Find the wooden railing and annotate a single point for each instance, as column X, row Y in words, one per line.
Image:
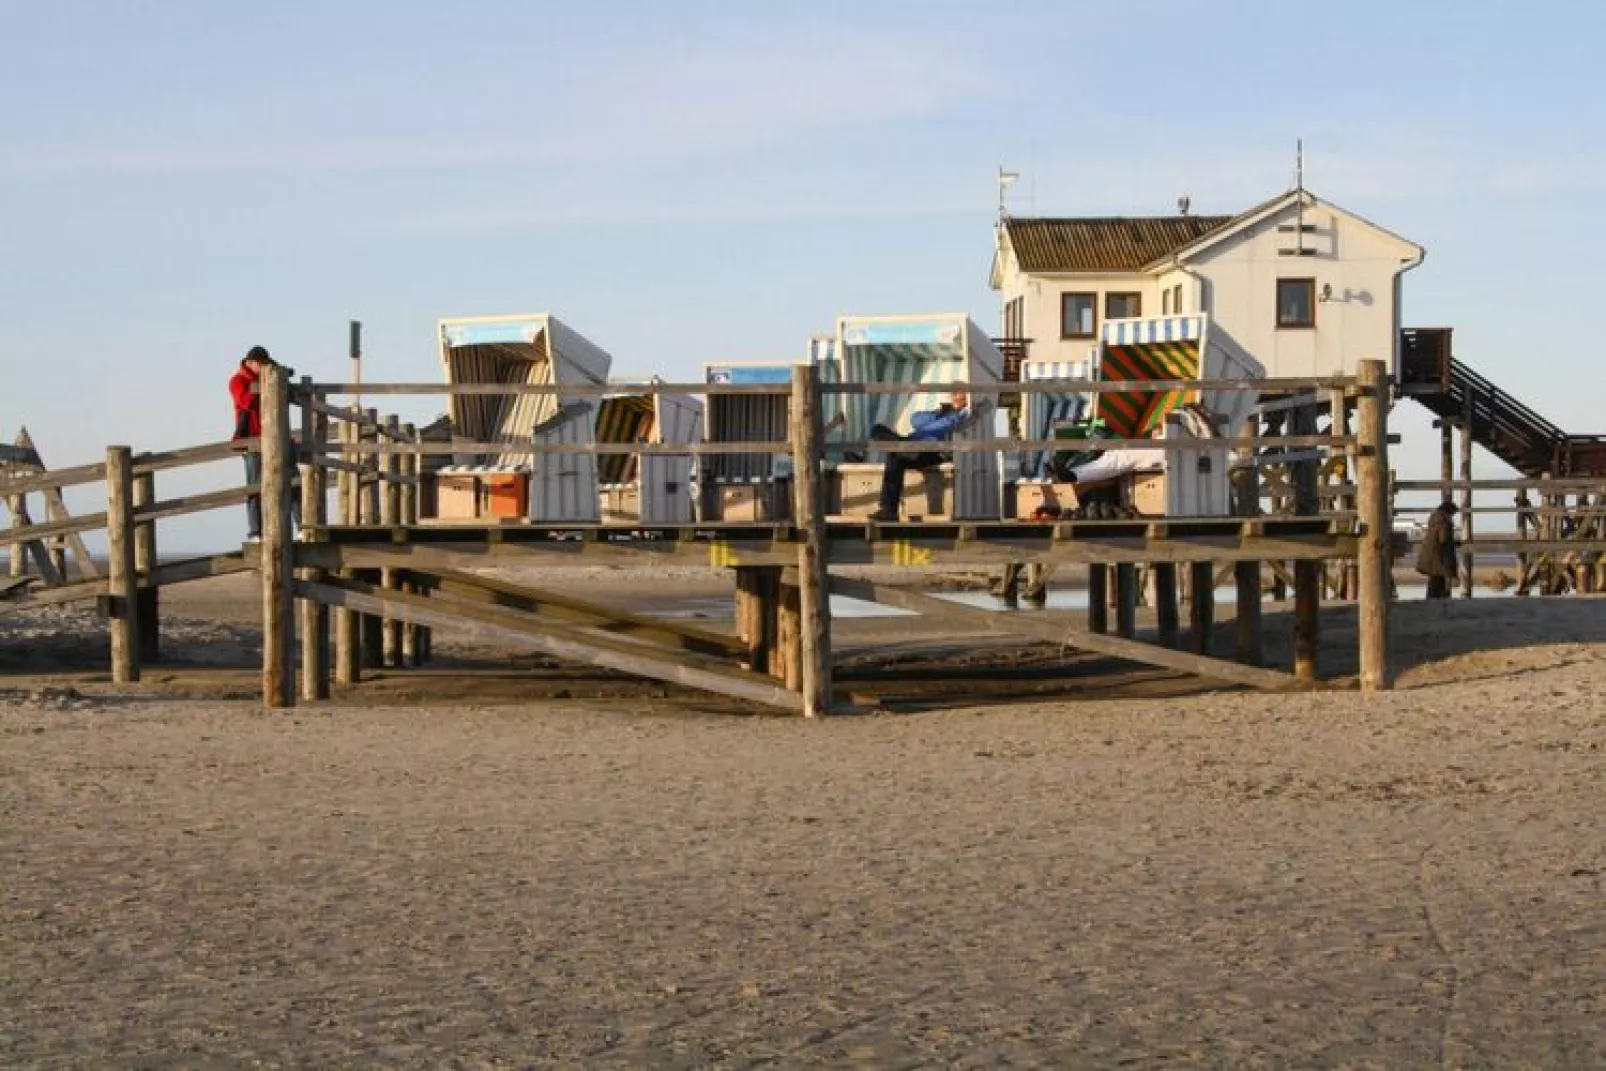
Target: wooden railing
column 129, row 590
column 1366, row 450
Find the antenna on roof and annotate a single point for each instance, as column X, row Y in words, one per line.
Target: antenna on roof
column 1183, row 204
column 1006, row 179
column 1299, row 196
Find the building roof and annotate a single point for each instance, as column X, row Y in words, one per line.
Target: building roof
column 1104, row 244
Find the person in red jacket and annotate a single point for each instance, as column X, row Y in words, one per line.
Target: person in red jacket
column 248, row 428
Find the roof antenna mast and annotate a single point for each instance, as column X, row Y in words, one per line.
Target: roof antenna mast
column 1299, row 199
column 1006, row 179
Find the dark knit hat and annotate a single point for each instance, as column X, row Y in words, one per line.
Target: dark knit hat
column 259, row 353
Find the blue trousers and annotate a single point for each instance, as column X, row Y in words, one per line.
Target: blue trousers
column 253, row 505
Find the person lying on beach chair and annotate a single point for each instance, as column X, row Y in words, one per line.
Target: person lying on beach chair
column 930, row 425
column 1098, row 480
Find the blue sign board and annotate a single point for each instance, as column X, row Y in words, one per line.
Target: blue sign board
column 750, row 373
column 489, row 333
column 908, row 333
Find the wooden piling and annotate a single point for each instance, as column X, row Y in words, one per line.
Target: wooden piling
column 757, row 591
column 411, row 489
column 348, row 653
column 1468, row 415
column 1339, row 425
column 787, row 665
column 150, row 610
column 390, row 516
column 1098, row 598
column 1248, row 631
column 314, row 517
column 1373, row 546
column 278, row 603
column 807, row 435
column 370, row 626
column 1165, row 602
column 1126, row 600
column 122, row 574
column 1201, row 606
column 1307, row 574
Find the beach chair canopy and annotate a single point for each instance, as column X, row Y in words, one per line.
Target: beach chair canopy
column 623, row 419
column 1154, row 349
column 913, row 351
column 534, row 350
column 1043, row 414
column 737, row 418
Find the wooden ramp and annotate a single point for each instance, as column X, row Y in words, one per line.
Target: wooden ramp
column 565, row 628
column 1075, row 636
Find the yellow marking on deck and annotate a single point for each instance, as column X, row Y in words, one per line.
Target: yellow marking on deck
column 906, row 553
column 720, row 555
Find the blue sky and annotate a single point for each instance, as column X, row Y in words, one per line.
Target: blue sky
column 695, row 181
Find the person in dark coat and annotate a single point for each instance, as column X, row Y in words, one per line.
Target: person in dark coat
column 1437, row 557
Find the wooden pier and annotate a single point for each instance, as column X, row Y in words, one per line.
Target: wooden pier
column 364, row 585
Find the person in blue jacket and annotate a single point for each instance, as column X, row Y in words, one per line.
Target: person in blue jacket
column 930, row 425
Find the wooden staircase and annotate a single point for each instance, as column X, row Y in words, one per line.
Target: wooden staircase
column 1513, row 432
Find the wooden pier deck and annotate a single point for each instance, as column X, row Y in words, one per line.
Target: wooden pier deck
column 364, row 583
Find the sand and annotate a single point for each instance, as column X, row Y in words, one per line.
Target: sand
column 1216, row 879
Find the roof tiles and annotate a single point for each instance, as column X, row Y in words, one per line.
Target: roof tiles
column 1109, row 244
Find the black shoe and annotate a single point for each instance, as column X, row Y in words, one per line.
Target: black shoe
column 882, row 516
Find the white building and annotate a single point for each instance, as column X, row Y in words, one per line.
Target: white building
column 1305, row 286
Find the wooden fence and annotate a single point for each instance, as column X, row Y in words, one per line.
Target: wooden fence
column 129, row 592
column 1369, row 524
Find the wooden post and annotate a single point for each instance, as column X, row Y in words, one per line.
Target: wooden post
column 1446, row 460
column 787, row 665
column 373, row 501
column 1034, row 582
column 1307, row 574
column 757, row 589
column 807, row 435
column 1372, row 493
column 1339, row 406
column 1202, row 606
column 1126, row 600
column 1248, row 632
column 410, row 490
column 1466, row 494
column 150, row 626
column 314, row 517
column 122, row 575
column 1098, row 598
column 1165, row 602
column 371, row 626
column 348, row 644
column 278, row 603
column 390, row 517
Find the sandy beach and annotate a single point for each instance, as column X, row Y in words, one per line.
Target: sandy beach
column 1103, row 867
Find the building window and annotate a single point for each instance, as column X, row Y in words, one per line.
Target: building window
column 1015, row 317
column 1079, row 315
column 1296, row 302
column 1122, row 306
column 1176, row 299
column 1165, row 302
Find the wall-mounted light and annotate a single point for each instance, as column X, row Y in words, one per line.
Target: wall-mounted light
column 1327, row 292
